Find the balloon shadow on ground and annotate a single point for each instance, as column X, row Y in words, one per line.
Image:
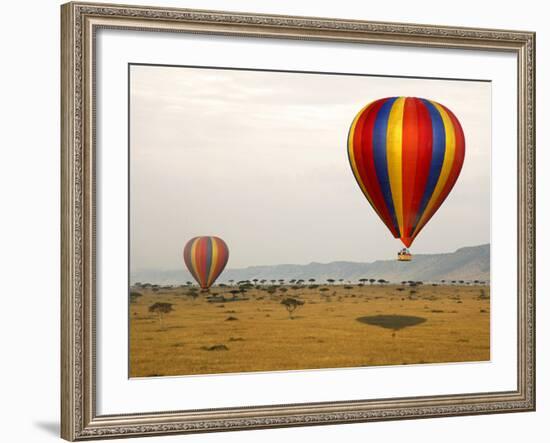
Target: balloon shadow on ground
column 394, row 322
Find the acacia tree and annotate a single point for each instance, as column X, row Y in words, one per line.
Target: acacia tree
column 372, row 280
column 291, row 304
column 160, row 309
column 330, row 280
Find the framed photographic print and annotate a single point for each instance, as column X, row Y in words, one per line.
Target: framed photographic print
column 283, row 221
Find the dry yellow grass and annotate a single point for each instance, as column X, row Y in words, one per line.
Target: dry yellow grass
column 325, row 332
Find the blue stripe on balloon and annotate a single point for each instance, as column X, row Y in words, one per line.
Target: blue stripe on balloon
column 379, row 149
column 438, row 154
column 208, row 258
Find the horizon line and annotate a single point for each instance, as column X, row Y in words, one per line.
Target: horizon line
column 313, row 262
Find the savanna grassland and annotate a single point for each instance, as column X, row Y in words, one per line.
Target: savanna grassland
column 322, row 326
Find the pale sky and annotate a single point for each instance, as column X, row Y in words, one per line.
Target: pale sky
column 259, row 159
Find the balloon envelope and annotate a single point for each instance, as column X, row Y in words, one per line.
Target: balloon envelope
column 205, row 257
column 406, row 154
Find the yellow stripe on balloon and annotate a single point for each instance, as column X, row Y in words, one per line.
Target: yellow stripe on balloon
column 394, row 156
column 448, row 160
column 214, row 261
column 352, row 158
column 193, row 257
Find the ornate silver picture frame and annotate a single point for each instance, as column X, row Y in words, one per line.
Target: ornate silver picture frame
column 80, row 23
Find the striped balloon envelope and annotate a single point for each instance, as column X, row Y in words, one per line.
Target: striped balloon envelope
column 205, row 257
column 406, row 154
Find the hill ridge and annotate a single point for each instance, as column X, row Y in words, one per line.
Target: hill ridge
column 466, row 263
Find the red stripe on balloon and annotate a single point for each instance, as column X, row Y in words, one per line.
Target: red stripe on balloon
column 409, row 159
column 200, row 260
column 423, row 161
column 364, row 161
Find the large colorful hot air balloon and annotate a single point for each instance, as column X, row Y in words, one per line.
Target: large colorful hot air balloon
column 205, row 257
column 406, row 154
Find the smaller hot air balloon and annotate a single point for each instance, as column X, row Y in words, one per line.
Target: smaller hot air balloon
column 205, row 257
